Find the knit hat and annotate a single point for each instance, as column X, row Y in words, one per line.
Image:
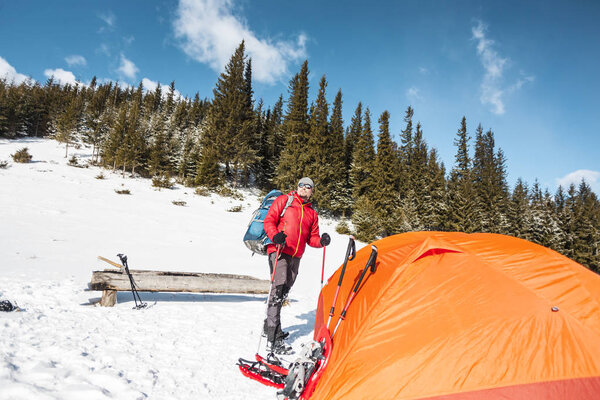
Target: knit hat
column 307, row 181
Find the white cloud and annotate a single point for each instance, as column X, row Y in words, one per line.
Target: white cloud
column 210, row 32
column 104, row 49
column 150, row 86
column 423, row 71
column 519, row 84
column 492, row 90
column 75, row 60
column 10, row 73
column 592, row 178
column 127, row 68
column 61, row 76
column 108, row 18
column 414, row 94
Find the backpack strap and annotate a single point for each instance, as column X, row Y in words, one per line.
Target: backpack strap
column 287, row 204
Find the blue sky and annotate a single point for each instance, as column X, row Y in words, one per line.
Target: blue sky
column 528, row 70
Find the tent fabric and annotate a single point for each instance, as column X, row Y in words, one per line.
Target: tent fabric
column 463, row 316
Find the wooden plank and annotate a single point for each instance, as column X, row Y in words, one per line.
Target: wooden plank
column 159, row 281
column 114, row 264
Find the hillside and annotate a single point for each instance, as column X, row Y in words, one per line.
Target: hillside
column 56, row 220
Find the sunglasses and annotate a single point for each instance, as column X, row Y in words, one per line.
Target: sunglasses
column 305, row 185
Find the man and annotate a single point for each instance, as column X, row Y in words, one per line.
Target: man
column 291, row 232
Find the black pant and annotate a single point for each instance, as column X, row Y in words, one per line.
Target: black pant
column 285, row 276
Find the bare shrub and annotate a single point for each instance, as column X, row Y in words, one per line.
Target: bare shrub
column 22, row 156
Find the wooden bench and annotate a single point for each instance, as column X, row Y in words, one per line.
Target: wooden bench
column 111, row 281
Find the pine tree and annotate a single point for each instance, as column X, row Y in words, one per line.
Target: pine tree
column 246, row 157
column 366, row 214
column 573, row 209
column 564, row 203
column 208, row 172
column 539, row 229
column 135, row 141
column 501, row 209
column 159, row 160
column 463, row 161
column 179, row 123
column 12, row 111
column 364, row 219
column 490, row 183
column 96, row 128
column 4, row 87
column 187, row 164
column 318, row 149
column 386, row 180
column 519, row 212
column 462, row 215
column 37, row 112
column 362, row 171
column 586, row 221
column 68, row 122
column 231, row 129
column 271, row 142
column 114, row 141
column 353, row 135
column 338, row 174
column 198, row 110
column 554, row 235
column 293, row 159
column 415, row 174
column 405, row 154
column 277, row 134
column 434, row 198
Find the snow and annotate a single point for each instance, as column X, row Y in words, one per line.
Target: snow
column 56, row 219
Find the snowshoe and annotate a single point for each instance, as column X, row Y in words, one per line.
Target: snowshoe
column 273, row 363
column 267, row 371
column 301, row 371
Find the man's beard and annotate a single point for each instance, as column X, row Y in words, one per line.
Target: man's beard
column 304, row 198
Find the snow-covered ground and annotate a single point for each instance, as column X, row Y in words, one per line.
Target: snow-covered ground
column 55, row 219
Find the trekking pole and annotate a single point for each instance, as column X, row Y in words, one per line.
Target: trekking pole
column 323, row 267
column 275, row 266
column 134, row 292
column 350, row 254
column 269, row 296
column 370, row 265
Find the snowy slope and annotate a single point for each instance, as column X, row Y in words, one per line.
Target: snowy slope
column 56, row 219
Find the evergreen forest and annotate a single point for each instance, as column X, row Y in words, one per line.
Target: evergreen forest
column 377, row 187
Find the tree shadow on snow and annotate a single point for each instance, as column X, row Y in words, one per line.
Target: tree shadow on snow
column 299, row 330
column 160, row 297
column 22, row 140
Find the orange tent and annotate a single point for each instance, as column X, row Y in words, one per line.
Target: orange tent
column 463, row 316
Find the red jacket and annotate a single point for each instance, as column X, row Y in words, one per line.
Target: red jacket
column 300, row 223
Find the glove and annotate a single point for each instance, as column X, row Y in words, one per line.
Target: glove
column 279, row 238
column 325, row 240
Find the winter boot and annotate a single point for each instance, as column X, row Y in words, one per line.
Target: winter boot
column 282, row 334
column 279, row 334
column 279, row 347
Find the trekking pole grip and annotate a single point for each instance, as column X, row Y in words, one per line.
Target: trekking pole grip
column 350, row 254
column 370, row 265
